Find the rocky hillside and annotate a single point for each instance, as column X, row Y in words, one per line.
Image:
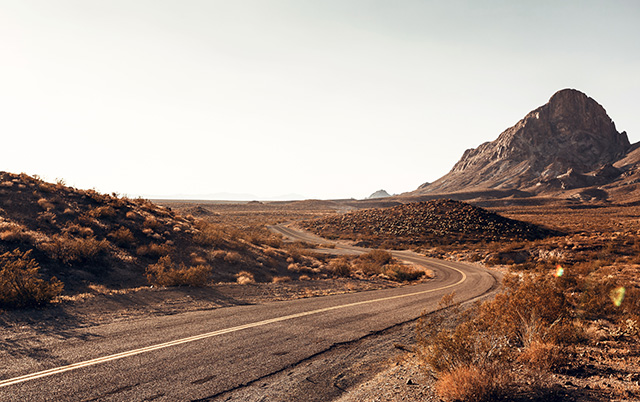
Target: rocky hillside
column 568, row 143
column 85, row 239
column 429, row 222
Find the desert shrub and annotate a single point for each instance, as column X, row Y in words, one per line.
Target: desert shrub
column 281, row 279
column 151, row 222
column 541, row 355
column 232, row 257
column 473, row 383
column 209, row 236
column 45, row 204
column 402, row 273
column 103, row 211
column 46, row 218
column 526, row 322
column 20, row 284
column 245, row 277
column 166, row 273
column 75, row 229
column 340, row 267
column 378, row 257
column 153, row 250
column 11, row 232
column 122, row 237
column 69, row 250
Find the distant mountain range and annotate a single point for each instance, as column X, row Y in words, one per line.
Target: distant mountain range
column 567, row 148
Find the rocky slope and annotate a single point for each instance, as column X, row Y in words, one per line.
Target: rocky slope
column 569, row 143
column 430, row 222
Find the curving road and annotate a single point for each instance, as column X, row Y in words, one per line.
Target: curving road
column 205, row 355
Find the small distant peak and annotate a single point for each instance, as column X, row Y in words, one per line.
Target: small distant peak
column 379, row 194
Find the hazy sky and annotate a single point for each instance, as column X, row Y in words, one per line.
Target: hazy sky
column 327, row 99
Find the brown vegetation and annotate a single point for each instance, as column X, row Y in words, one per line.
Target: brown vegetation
column 556, row 292
column 86, row 238
column 20, row 282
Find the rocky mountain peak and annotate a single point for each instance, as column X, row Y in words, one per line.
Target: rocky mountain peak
column 570, row 132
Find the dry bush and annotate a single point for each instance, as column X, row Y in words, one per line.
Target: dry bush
column 11, row 232
column 76, row 229
column 70, row 250
column 377, row 257
column 473, row 383
column 153, row 250
column 122, row 237
column 46, row 218
column 340, row 267
column 281, row 279
column 132, row 215
column 477, row 348
column 402, row 273
column 45, row 204
column 166, row 273
column 103, row 211
column 541, row 355
column 232, row 257
column 209, row 236
column 151, row 222
column 245, row 277
column 20, row 284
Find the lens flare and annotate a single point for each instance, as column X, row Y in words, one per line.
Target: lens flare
column 559, row 270
column 617, row 295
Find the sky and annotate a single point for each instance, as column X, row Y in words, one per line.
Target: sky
column 298, row 98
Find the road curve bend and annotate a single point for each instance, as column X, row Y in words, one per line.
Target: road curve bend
column 202, row 355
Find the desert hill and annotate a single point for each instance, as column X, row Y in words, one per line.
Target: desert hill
column 84, row 239
column 567, row 148
column 435, row 222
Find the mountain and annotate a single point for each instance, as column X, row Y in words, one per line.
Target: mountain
column 569, row 143
column 379, row 194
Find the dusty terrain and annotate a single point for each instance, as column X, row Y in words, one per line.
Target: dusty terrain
column 599, row 238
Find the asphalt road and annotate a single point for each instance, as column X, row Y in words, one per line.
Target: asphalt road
column 205, row 354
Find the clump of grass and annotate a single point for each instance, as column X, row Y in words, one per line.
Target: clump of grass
column 166, row 273
column 20, row 283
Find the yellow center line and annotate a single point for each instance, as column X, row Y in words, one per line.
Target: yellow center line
column 104, row 359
